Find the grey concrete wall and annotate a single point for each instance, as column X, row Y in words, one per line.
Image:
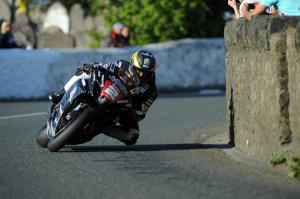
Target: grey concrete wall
column 182, row 66
column 262, row 85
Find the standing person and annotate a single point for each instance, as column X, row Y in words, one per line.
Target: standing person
column 283, row 7
column 7, row 38
column 233, row 5
column 125, row 36
column 139, row 77
column 116, row 35
column 1, row 21
column 245, row 5
column 119, row 36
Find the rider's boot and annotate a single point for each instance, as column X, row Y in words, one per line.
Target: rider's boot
column 133, row 135
column 57, row 96
column 129, row 137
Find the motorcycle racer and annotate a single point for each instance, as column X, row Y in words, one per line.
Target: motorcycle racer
column 138, row 75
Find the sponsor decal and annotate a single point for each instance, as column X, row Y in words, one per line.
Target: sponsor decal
column 111, row 92
column 119, row 84
column 143, row 88
column 147, row 61
column 134, row 91
column 147, row 54
column 148, row 103
column 112, row 68
column 145, row 107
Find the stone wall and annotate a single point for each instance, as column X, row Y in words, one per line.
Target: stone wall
column 35, row 28
column 5, row 11
column 262, row 85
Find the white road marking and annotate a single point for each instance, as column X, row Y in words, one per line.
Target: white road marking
column 23, row 115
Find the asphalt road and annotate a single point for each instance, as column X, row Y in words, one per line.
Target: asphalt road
column 169, row 160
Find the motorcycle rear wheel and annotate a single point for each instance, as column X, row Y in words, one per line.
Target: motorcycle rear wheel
column 73, row 128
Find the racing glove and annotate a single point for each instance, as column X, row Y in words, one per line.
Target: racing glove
column 142, row 109
column 88, row 68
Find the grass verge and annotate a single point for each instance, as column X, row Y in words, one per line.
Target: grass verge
column 293, row 165
column 294, row 168
column 277, row 158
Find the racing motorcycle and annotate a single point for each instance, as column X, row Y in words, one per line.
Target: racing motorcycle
column 89, row 105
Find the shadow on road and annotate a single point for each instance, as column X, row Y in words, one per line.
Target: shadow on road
column 148, row 147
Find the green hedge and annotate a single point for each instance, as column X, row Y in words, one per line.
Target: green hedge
column 153, row 21
column 162, row 20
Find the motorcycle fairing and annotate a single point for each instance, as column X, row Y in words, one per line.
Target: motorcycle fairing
column 72, row 97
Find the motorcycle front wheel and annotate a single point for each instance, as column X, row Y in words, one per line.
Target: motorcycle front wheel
column 74, row 127
column 42, row 137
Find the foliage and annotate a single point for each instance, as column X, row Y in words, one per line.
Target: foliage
column 293, row 165
column 295, row 168
column 158, row 20
column 277, row 158
column 163, row 20
column 96, row 39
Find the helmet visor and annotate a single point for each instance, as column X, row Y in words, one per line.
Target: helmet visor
column 144, row 74
column 133, row 75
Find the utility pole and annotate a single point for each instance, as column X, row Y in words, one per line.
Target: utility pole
column 13, row 10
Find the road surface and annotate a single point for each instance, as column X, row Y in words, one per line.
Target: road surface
column 169, row 161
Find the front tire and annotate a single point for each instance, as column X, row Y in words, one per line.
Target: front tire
column 71, row 130
column 42, row 137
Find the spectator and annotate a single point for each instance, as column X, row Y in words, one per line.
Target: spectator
column 116, row 36
column 248, row 5
column 272, row 11
column 7, row 39
column 284, row 7
column 233, row 5
column 1, row 21
column 119, row 36
column 125, row 36
column 245, row 6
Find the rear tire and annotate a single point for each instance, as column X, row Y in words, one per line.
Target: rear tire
column 71, row 130
column 42, row 137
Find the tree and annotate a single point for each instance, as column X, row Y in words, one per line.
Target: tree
column 157, row 20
